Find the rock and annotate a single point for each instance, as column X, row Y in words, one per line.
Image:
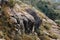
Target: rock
column 13, row 20
column 2, row 39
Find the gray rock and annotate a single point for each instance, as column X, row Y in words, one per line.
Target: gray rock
column 13, row 20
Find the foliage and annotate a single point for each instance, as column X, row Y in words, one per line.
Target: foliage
column 47, row 9
column 11, row 2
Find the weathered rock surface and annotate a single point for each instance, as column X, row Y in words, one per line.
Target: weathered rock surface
column 13, row 23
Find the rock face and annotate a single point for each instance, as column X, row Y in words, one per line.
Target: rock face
column 24, row 22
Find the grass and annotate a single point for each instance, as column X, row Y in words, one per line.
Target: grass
column 44, row 37
column 53, row 36
column 47, row 27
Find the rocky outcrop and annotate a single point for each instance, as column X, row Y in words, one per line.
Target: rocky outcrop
column 24, row 22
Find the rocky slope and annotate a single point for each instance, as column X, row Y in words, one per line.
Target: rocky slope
column 10, row 30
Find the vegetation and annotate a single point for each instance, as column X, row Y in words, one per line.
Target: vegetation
column 48, row 10
column 12, row 3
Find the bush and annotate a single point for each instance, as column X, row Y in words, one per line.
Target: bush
column 12, row 3
column 47, row 9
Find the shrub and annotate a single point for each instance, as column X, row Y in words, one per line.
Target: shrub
column 12, row 3
column 47, row 9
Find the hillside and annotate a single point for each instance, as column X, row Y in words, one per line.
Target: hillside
column 10, row 29
column 50, row 9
